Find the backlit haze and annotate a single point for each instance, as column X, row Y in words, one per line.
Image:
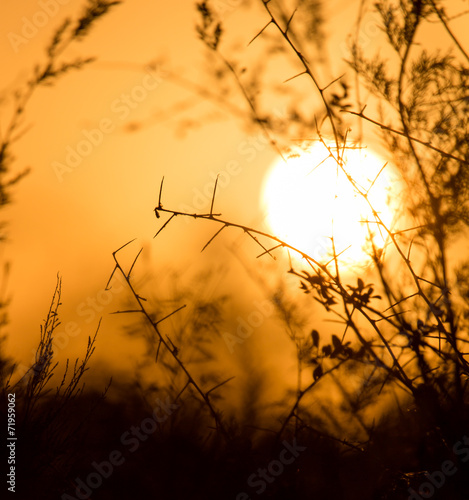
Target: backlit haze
column 99, row 142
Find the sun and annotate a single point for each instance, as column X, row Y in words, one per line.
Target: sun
column 311, row 204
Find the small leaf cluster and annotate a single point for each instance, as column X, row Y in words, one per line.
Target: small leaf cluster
column 94, row 10
column 340, row 102
column 361, row 294
column 320, row 284
column 337, row 349
column 210, row 31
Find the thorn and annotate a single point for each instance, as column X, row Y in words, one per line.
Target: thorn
column 159, row 197
column 119, row 249
column 212, row 238
column 170, row 314
column 213, row 197
column 164, row 225
column 331, row 83
column 133, row 263
column 158, row 351
column 290, row 20
column 260, row 32
column 110, row 277
column 296, row 76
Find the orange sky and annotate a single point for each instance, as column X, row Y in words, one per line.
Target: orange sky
column 72, row 221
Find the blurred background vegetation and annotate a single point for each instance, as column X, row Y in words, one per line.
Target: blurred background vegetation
column 365, row 370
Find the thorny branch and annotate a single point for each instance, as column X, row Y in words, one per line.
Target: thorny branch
column 162, row 341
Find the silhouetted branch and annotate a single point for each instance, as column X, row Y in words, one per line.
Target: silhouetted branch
column 167, row 343
column 406, row 135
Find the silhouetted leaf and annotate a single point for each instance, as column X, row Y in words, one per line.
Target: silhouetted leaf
column 315, row 337
column 317, row 373
column 336, row 342
column 327, row 350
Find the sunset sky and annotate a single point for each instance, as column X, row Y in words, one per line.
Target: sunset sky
column 71, row 221
column 317, row 305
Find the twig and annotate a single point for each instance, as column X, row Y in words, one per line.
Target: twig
column 212, row 238
column 164, row 225
column 406, row 135
column 168, row 344
column 213, row 196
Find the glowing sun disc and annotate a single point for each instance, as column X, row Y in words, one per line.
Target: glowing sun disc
column 309, row 199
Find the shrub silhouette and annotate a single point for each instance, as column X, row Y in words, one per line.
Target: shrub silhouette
column 413, row 329
column 50, row 436
column 399, row 347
